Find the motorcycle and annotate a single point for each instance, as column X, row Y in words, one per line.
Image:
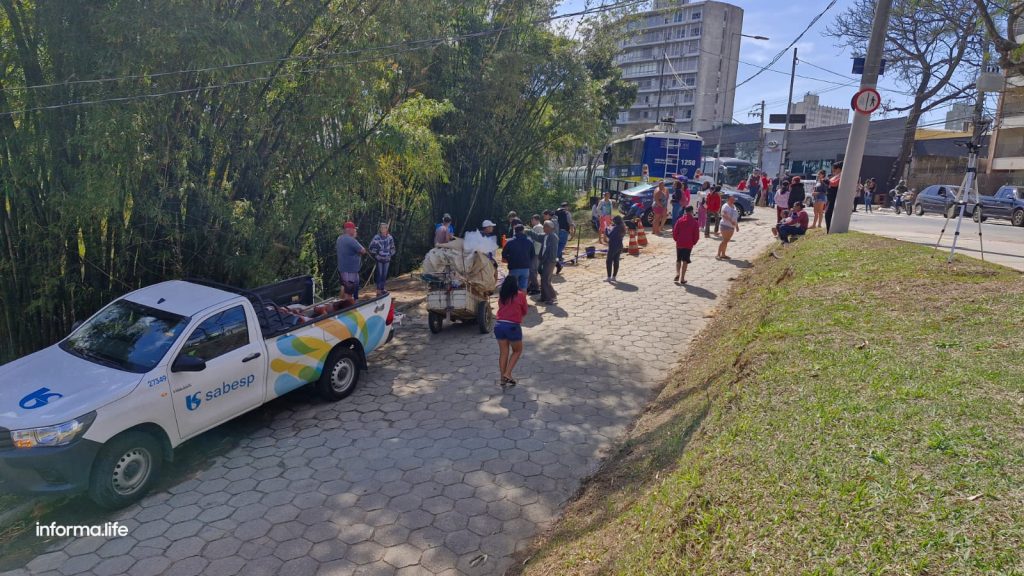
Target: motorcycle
column 908, row 202
column 896, row 200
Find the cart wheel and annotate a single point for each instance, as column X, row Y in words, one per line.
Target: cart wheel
column 435, row 321
column 484, row 317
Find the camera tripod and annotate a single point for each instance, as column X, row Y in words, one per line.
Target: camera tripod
column 968, row 187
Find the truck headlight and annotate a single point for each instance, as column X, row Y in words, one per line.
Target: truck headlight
column 57, row 435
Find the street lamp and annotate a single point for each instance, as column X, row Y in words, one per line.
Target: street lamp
column 721, row 121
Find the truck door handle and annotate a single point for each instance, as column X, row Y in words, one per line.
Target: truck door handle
column 252, row 356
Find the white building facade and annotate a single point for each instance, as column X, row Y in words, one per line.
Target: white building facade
column 819, row 116
column 683, row 57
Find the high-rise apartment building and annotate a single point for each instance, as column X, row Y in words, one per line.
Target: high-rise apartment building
column 683, row 56
column 819, row 116
column 960, row 117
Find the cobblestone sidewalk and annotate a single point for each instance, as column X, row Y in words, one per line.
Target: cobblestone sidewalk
column 428, row 468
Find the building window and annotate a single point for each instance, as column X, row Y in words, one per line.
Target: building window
column 695, row 30
column 695, row 15
column 679, row 17
column 646, row 114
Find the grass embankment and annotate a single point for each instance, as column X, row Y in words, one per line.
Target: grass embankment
column 856, row 408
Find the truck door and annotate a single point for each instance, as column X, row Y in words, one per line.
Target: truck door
column 233, row 377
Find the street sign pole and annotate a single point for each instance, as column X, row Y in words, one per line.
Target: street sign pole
column 854, row 157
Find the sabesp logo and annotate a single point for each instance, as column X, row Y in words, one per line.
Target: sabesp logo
column 192, row 402
column 38, row 399
column 229, row 387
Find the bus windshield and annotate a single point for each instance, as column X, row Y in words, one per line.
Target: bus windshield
column 126, row 336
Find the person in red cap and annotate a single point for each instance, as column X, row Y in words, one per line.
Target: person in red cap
column 686, row 233
column 350, row 253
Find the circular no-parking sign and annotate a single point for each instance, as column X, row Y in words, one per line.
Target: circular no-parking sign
column 866, row 101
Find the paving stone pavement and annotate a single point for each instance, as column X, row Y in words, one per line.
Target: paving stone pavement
column 428, row 468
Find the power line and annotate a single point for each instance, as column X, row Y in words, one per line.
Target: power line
column 791, row 44
column 822, row 68
column 413, row 44
column 195, row 89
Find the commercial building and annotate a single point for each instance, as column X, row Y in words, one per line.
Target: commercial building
column 683, row 57
column 1006, row 154
column 960, row 117
column 819, row 116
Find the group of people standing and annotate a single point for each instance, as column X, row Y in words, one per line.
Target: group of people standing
column 350, row 259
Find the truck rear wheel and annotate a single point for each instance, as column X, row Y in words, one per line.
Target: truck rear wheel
column 340, row 374
column 125, row 469
column 1018, row 217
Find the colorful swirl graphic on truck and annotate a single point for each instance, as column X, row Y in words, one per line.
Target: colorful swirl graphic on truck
column 299, row 357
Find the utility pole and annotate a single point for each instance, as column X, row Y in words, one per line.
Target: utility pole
column 760, row 140
column 854, row 157
column 785, row 132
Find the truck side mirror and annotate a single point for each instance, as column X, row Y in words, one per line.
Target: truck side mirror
column 188, row 364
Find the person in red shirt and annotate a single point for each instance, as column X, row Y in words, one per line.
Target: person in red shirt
column 713, row 203
column 508, row 329
column 686, row 233
column 833, row 191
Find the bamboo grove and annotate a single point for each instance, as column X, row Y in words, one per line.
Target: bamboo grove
column 146, row 140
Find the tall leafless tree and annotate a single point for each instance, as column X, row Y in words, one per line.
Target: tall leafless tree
column 1004, row 22
column 932, row 47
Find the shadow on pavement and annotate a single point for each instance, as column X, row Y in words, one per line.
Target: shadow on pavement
column 740, row 263
column 700, row 292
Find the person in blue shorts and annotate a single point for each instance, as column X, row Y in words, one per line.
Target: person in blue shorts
column 508, row 329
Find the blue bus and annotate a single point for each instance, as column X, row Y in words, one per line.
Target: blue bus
column 652, row 156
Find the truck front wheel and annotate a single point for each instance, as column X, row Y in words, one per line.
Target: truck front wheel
column 125, row 469
column 340, row 375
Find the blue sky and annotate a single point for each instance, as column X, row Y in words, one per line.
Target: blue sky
column 782, row 21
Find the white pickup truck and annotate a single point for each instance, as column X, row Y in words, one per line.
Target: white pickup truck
column 103, row 408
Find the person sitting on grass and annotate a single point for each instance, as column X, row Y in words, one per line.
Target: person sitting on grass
column 795, row 224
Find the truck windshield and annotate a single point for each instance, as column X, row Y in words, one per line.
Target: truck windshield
column 126, row 336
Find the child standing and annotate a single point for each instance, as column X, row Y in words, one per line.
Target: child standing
column 702, row 213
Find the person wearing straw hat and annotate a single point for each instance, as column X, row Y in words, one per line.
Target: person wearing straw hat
column 382, row 248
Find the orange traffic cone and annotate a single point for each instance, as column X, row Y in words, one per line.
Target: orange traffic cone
column 641, row 237
column 634, row 250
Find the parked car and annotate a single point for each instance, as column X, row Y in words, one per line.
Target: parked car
column 102, row 409
column 744, row 202
column 939, row 199
column 639, row 201
column 1006, row 204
